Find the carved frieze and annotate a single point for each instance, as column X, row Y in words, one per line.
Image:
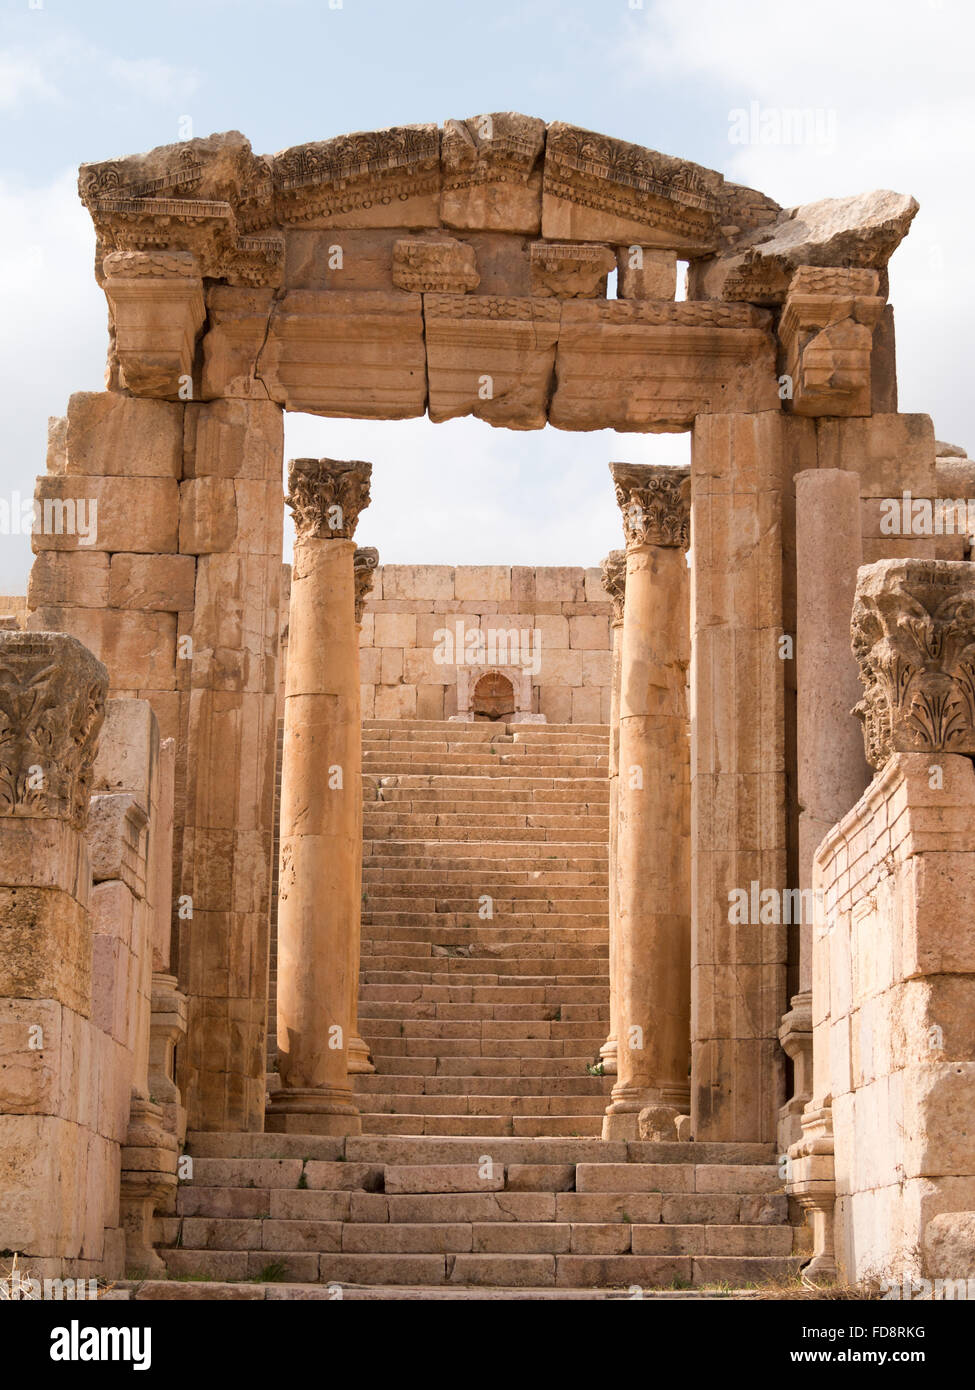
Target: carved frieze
column 655, row 503
column 370, row 179
column 52, row 704
column 913, row 634
column 614, row 581
column 597, row 188
column 326, row 497
column 365, row 562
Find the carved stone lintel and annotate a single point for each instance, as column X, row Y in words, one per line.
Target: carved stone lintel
column 326, row 497
column 655, row 502
column 614, row 582
column 52, row 704
column 364, row 564
column 914, row 640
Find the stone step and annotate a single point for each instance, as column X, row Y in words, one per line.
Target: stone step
column 493, row 1270
column 255, row 1292
column 581, row 986
column 380, row 1083
column 436, row 794
column 570, row 999
column 394, row 1102
column 518, row 858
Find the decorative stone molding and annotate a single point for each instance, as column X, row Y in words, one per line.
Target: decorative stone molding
column 655, row 502
column 365, row 561
column 52, row 704
column 326, row 497
column 614, row 582
column 569, row 270
column 826, row 333
column 914, row 640
column 447, row 267
column 157, row 305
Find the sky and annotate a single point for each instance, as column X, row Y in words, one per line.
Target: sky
column 889, row 85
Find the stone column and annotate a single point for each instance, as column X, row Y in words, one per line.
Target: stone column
column 321, row 796
column 614, row 582
column 364, row 565
column 653, row 849
column 832, row 771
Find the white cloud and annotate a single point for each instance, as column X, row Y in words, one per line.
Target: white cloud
column 21, row 79
column 54, row 339
column 897, row 76
column 153, row 80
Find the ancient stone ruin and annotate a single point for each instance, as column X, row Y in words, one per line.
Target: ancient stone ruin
column 547, row 929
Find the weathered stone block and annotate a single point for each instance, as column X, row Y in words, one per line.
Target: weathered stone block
column 160, row 583
column 111, row 435
column 44, row 947
column 93, row 513
column 138, row 648
column 79, row 578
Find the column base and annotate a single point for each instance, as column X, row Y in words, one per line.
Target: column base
column 312, row 1110
column 607, row 1055
column 629, row 1105
column 360, row 1058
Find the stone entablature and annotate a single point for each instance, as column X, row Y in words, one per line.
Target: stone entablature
column 302, row 273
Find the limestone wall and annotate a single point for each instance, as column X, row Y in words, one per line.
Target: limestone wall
column 893, row 1004
column 409, row 668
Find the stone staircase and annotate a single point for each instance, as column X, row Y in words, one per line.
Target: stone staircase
column 483, row 998
column 484, row 985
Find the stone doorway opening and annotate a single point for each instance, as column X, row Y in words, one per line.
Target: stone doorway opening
column 494, row 697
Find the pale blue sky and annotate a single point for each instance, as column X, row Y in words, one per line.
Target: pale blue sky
column 90, row 79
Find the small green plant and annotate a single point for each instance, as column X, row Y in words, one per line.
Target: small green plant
column 303, row 1179
column 595, row 1069
column 272, row 1273
column 557, row 1016
column 627, row 1217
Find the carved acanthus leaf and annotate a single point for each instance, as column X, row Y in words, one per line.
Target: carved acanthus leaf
column 52, row 704
column 365, row 561
column 655, row 502
column 913, row 633
column 614, row 581
column 326, row 497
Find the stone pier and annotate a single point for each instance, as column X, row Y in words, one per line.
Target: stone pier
column 653, row 848
column 321, row 828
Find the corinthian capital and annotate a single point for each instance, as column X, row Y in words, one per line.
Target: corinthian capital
column 364, row 563
column 52, row 704
column 326, row 497
column 614, row 581
column 655, row 502
column 914, row 639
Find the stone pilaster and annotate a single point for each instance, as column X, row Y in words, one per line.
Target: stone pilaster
column 364, row 564
column 614, row 582
column 653, row 848
column 321, row 796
